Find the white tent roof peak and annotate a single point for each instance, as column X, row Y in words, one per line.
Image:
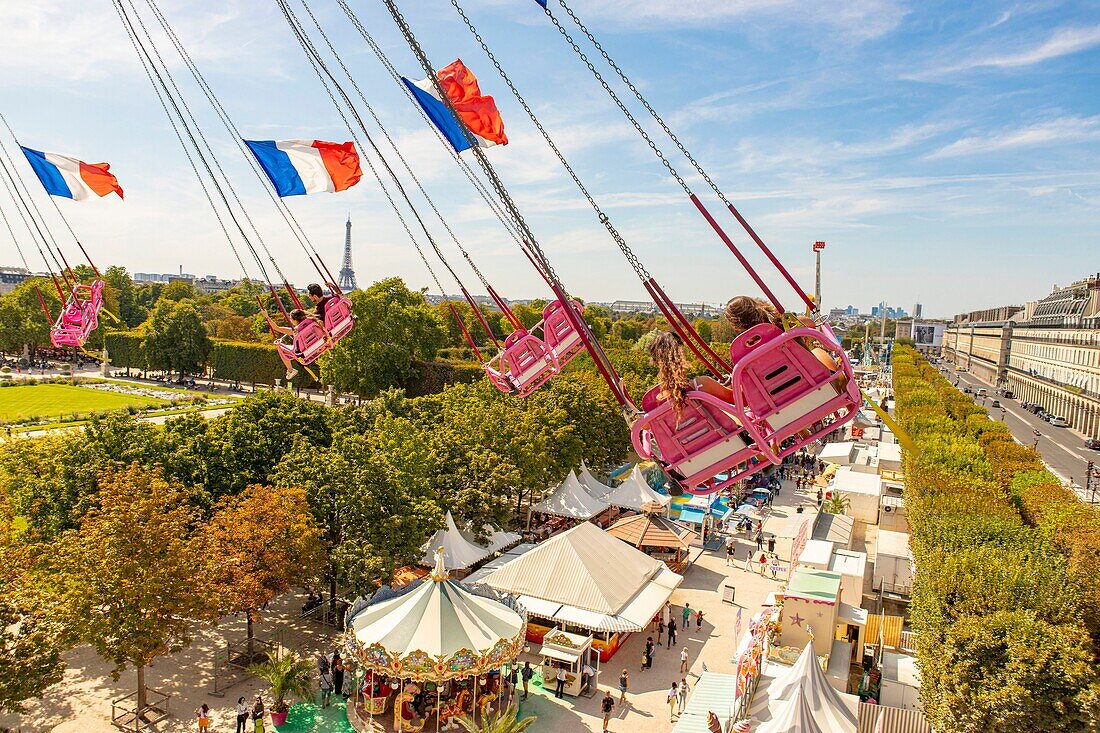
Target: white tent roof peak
column 571, row 499
column 458, row 552
column 806, row 678
column 583, row 567
column 634, row 493
column 797, row 715
column 595, row 487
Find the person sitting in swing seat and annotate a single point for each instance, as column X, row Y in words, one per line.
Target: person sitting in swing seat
column 297, row 317
column 320, row 301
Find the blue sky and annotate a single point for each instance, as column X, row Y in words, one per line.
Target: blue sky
column 946, row 151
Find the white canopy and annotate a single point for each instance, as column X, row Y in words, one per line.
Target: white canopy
column 458, row 552
column 587, row 568
column 437, row 626
column 571, row 499
column 840, row 453
column 634, row 493
column 806, row 679
column 796, row 716
column 500, row 539
column 595, row 487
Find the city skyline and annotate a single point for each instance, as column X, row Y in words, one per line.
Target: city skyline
column 902, row 142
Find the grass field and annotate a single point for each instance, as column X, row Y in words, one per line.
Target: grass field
column 50, row 400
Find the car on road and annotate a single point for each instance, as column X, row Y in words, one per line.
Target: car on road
column 1093, row 444
column 996, row 403
column 967, row 390
column 1059, row 422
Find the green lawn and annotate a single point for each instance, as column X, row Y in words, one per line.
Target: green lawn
column 50, row 400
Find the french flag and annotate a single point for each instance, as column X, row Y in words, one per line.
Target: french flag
column 298, row 167
column 70, row 178
column 479, row 112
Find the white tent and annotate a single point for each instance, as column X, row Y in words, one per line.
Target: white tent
column 437, row 626
column 634, row 493
column 595, row 487
column 805, row 678
column 586, row 577
column 839, row 453
column 795, row 716
column 571, row 499
column 500, row 539
column 458, row 552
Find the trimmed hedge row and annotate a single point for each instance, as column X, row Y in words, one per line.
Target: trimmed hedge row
column 432, row 377
column 1002, row 604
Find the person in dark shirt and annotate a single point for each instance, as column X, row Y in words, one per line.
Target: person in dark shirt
column 320, row 300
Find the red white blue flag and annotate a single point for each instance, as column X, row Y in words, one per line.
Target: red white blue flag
column 477, row 111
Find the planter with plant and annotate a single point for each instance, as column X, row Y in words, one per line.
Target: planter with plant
column 289, row 676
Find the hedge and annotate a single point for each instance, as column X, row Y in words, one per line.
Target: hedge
column 432, row 377
column 126, row 349
column 238, row 361
column 1004, row 556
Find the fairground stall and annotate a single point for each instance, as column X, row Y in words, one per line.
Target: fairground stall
column 431, row 654
column 657, row 536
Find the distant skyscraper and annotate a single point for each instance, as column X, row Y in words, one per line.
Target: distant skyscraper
column 918, row 309
column 347, row 275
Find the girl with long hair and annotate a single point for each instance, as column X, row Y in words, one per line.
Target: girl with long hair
column 667, row 354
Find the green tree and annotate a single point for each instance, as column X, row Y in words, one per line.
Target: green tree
column 129, row 311
column 22, row 321
column 176, row 339
column 127, row 582
column 177, row 291
column 504, row 721
column 395, row 326
column 262, row 541
column 287, row 676
column 30, row 649
column 838, row 503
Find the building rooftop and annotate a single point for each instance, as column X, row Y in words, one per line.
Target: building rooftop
column 810, row 584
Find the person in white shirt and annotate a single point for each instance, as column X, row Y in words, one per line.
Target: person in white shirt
column 684, row 660
column 242, row 714
column 560, row 691
column 683, row 692
column 586, row 675
column 672, row 703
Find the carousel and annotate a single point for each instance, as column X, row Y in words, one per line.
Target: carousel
column 431, row 655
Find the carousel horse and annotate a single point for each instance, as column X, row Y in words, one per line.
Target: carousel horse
column 403, row 713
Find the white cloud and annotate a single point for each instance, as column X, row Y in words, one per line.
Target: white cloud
column 1063, row 42
column 1062, row 130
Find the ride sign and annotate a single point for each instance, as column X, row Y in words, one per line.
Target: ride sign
column 818, row 246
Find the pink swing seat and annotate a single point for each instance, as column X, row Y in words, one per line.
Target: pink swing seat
column 784, row 399
column 558, row 332
column 523, row 365
column 79, row 316
column 793, row 397
column 339, row 320
column 308, row 343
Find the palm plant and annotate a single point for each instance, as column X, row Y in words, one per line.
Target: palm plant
column 287, row 676
column 838, row 503
column 506, row 721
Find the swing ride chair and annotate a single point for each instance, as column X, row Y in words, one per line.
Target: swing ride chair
column 784, row 398
column 523, row 365
column 339, row 319
column 558, row 332
column 307, row 344
column 79, row 316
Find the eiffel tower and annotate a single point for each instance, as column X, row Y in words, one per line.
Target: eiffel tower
column 347, row 275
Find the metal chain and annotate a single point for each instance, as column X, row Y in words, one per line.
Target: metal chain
column 288, row 216
column 25, row 212
column 615, row 97
column 316, row 65
column 186, row 115
column 483, row 162
column 634, row 90
column 635, row 263
column 491, row 202
column 386, row 134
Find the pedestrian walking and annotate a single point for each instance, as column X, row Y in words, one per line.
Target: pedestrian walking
column 684, row 660
column 649, row 651
column 559, row 692
column 699, row 619
column 203, row 715
column 682, row 692
column 660, row 630
column 242, row 714
column 672, row 694
column 763, row 563
column 687, row 615
column 759, row 540
column 525, row 674
column 771, row 544
column 729, row 551
column 326, row 687
column 624, row 685
column 337, row 674
column 258, row 715
column 671, row 633
column 819, row 496
column 748, row 561
column 607, row 705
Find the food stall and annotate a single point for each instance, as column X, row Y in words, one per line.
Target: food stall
column 561, row 649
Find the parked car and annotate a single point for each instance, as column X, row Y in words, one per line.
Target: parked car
column 1059, row 422
column 1093, row 444
column 1008, row 394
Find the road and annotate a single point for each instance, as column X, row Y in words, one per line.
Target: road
column 1062, row 449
